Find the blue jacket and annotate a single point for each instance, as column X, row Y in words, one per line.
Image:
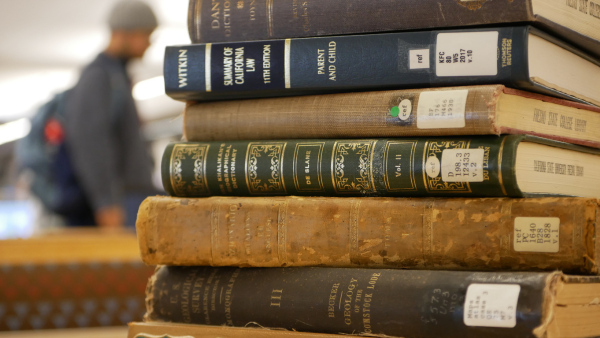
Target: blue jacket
column 105, row 146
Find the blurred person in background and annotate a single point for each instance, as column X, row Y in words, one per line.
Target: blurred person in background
column 109, row 157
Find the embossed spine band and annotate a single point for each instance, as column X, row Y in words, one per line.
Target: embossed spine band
column 287, row 51
column 207, row 67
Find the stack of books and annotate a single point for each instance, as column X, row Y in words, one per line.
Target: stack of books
column 345, row 201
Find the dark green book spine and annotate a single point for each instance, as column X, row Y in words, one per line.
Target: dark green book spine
column 402, row 303
column 476, row 166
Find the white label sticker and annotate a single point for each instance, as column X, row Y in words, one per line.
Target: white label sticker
column 467, row 54
column 418, row 58
column 442, row 109
column 405, row 108
column 462, row 165
column 491, row 305
column 432, row 167
column 536, row 234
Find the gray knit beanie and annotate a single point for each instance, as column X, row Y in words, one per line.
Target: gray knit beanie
column 132, row 15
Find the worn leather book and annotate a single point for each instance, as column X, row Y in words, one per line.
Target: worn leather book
column 520, row 57
column 400, row 303
column 485, row 166
column 217, row 21
column 176, row 330
column 415, row 233
column 472, row 110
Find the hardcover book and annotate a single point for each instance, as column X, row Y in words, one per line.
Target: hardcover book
column 216, row 21
column 414, row 233
column 402, row 303
column 490, row 166
column 520, row 57
column 472, row 110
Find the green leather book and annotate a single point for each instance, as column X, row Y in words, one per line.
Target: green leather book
column 513, row 165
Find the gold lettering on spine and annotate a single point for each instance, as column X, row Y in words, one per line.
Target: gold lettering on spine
column 500, row 167
column 276, row 297
column 229, row 296
column 207, row 67
column 411, row 169
column 184, row 302
column 270, row 16
column 205, row 295
column 230, row 221
column 332, row 298
column 298, row 157
column 428, row 233
column 286, row 58
column 353, row 224
column 282, row 234
column 214, row 233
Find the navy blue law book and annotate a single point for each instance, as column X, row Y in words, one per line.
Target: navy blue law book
column 520, row 57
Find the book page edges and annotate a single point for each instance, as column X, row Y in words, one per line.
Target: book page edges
column 553, row 282
column 514, row 131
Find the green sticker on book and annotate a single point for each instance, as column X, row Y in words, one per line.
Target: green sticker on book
column 395, row 111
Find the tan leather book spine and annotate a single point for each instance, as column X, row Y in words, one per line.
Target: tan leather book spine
column 347, row 115
column 172, row 330
column 538, row 234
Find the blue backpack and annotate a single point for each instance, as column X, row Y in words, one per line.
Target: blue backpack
column 44, row 151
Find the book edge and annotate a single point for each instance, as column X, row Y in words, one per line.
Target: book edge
column 553, row 282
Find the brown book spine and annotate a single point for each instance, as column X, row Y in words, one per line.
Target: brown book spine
column 352, row 115
column 419, row 233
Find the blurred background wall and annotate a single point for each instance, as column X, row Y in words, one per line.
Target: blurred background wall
column 43, row 46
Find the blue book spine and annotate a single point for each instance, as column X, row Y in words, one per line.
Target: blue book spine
column 232, row 70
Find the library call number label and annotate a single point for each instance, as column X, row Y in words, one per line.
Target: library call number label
column 536, row 234
column 491, row 305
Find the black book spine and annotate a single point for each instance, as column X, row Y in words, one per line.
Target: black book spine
column 344, row 63
column 403, row 303
column 219, row 21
